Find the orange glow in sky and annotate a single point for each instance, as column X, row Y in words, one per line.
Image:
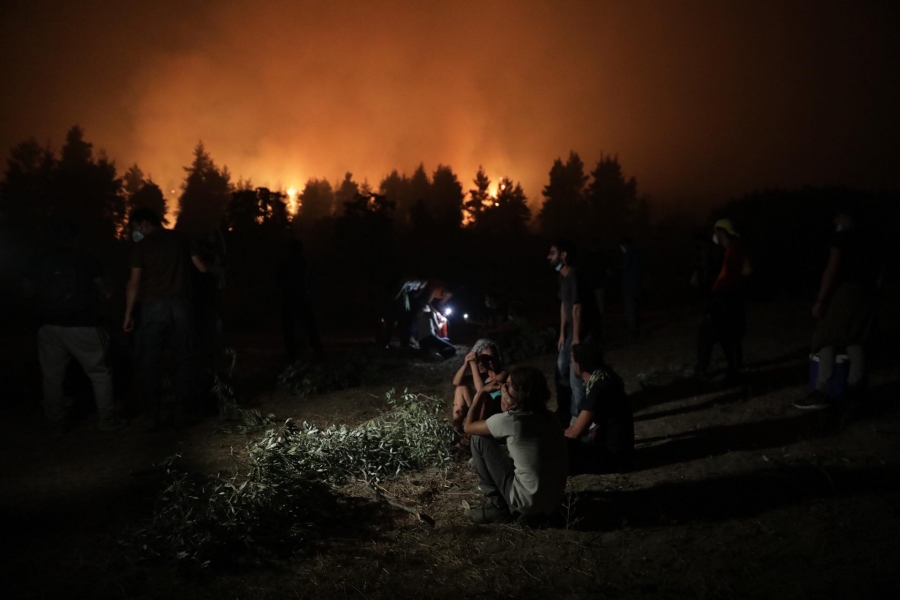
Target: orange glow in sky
column 700, row 100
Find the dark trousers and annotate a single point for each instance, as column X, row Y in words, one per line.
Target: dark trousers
column 494, row 467
column 439, row 345
column 723, row 323
column 167, row 322
column 631, row 300
column 296, row 324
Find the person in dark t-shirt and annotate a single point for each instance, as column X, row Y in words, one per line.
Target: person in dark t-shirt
column 845, row 308
column 601, row 430
column 160, row 276
column 578, row 316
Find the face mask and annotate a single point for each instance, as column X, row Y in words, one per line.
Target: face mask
column 840, row 227
column 715, row 239
column 137, row 236
column 623, row 248
column 559, row 266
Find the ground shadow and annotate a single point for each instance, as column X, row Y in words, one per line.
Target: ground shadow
column 722, row 498
column 714, row 441
column 756, row 382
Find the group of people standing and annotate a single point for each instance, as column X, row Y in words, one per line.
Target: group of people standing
column 69, row 287
column 592, row 430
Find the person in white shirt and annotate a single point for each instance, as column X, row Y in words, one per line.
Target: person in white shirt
column 528, row 484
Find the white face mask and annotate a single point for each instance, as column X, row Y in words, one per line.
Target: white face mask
column 559, row 266
column 840, row 227
column 715, row 239
column 137, row 236
column 623, row 249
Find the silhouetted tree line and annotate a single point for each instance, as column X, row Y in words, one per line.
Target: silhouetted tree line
column 361, row 238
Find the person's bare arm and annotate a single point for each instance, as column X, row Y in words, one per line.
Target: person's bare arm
column 476, row 377
column 479, row 427
column 562, row 326
column 581, row 425
column 828, row 276
column 457, row 379
column 200, row 263
column 576, row 323
column 131, row 294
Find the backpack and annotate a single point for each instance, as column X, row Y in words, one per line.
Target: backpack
column 65, row 285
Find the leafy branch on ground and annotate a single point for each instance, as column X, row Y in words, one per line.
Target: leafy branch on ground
column 287, row 493
column 242, row 419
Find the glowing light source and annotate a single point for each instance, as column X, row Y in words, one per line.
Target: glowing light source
column 448, row 311
column 293, row 201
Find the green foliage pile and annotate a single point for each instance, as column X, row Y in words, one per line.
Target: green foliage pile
column 288, row 491
column 239, row 419
column 412, row 435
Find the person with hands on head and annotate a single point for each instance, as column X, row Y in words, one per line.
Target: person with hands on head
column 529, row 482
column 601, row 430
column 482, row 366
column 161, row 278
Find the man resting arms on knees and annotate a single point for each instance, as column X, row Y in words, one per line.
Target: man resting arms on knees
column 530, row 481
column 601, row 434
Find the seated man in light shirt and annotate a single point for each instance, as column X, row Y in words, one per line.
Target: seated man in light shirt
column 528, row 483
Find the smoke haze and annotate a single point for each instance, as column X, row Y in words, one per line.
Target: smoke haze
column 700, row 100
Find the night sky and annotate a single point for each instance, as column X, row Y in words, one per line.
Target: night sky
column 701, row 100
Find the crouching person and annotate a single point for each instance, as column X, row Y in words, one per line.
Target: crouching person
column 601, row 433
column 528, row 483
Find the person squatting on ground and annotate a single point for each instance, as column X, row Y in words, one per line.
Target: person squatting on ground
column 601, row 434
column 428, row 323
column 484, row 365
column 69, row 286
column 161, row 264
column 723, row 320
column 529, row 482
column 845, row 309
column 578, row 317
column 297, row 316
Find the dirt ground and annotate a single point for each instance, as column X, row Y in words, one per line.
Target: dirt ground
column 734, row 494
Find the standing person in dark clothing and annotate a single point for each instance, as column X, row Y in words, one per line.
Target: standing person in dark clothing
column 844, row 309
column 161, row 265
column 401, row 314
column 723, row 320
column 632, row 285
column 69, row 286
column 297, row 315
column 578, row 318
column 601, row 432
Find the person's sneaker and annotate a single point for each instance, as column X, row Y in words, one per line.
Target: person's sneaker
column 493, row 510
column 815, row 400
column 111, row 424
